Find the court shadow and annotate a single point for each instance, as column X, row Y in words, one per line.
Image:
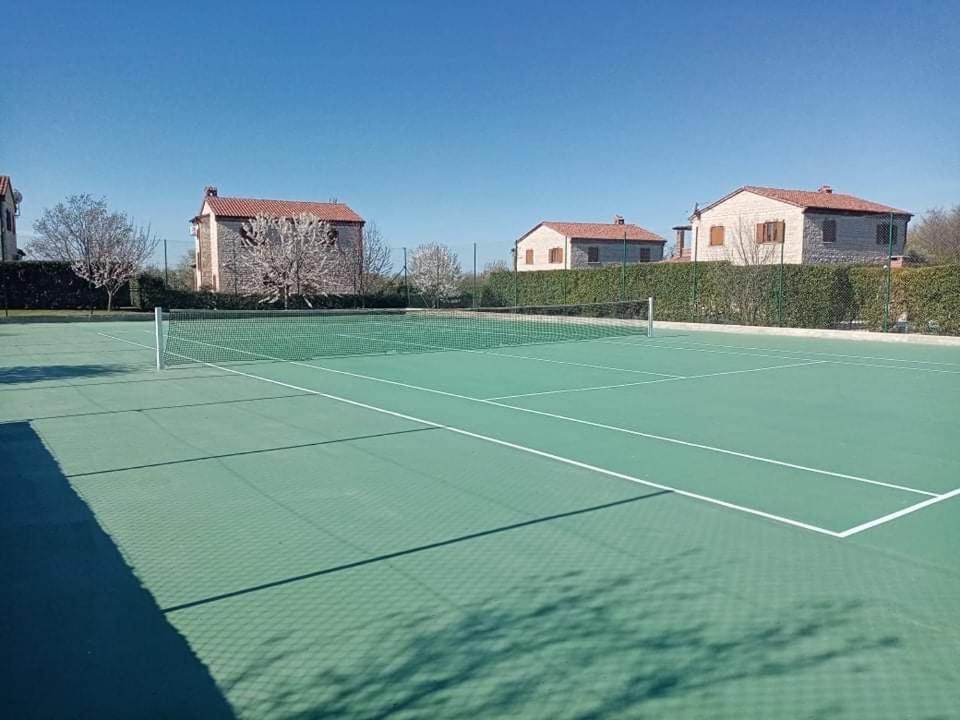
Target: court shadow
column 81, row 637
column 38, row 373
column 580, row 644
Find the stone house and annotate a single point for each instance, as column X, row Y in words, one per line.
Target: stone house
column 9, row 210
column 567, row 245
column 758, row 225
column 218, row 232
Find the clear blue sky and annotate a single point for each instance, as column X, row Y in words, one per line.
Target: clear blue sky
column 462, row 123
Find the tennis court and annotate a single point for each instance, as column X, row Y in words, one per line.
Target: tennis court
column 471, row 515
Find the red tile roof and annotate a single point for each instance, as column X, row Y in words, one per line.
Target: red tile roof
column 250, row 207
column 601, row 231
column 814, row 200
column 4, row 184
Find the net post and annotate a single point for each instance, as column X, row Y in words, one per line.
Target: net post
column 158, row 334
column 650, row 316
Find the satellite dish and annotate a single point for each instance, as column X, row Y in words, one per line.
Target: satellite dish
column 17, row 197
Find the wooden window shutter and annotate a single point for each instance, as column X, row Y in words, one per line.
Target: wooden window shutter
column 716, row 234
column 781, row 230
column 761, row 232
column 529, row 257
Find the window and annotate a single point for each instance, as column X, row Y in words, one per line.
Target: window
column 528, row 257
column 883, row 234
column 9, row 222
column 593, row 254
column 644, row 254
column 556, row 255
column 716, row 234
column 771, row 232
column 829, row 229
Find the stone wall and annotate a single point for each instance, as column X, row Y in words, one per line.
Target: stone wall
column 856, row 238
column 611, row 252
column 229, row 275
column 205, row 259
column 8, row 235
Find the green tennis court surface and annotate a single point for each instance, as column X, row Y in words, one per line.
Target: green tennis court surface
column 684, row 525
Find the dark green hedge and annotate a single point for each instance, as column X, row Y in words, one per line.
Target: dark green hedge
column 925, row 299
column 32, row 285
column 148, row 292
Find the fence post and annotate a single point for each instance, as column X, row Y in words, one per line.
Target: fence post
column 693, row 299
column 476, row 288
column 623, row 269
column 406, row 284
column 516, row 273
column 886, row 307
column 780, row 292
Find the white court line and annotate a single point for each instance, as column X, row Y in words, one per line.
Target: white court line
column 812, row 352
column 651, row 345
column 567, row 418
column 899, row 513
column 513, row 446
column 649, row 382
column 507, row 355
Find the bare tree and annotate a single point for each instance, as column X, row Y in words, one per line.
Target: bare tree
column 936, row 237
column 371, row 259
column 746, row 282
column 435, row 272
column 103, row 247
column 749, row 246
column 286, row 258
column 497, row 266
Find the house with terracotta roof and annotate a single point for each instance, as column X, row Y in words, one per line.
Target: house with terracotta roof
column 758, row 225
column 218, row 232
column 9, row 210
column 553, row 245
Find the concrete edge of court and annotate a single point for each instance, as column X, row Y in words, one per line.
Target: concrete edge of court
column 862, row 335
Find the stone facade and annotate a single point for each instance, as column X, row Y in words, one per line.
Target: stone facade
column 8, row 222
column 611, row 252
column 203, row 272
column 218, row 241
column 856, row 238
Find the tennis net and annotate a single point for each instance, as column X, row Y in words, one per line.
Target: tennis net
column 215, row 336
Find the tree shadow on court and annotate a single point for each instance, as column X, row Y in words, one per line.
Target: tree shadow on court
column 39, row 373
column 583, row 644
column 81, row 637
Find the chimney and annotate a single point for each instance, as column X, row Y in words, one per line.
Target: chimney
column 681, row 231
column 618, row 219
column 210, row 191
column 825, row 189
